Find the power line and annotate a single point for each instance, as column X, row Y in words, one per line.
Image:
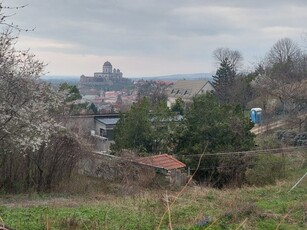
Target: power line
column 270, row 151
column 224, row 156
column 244, row 165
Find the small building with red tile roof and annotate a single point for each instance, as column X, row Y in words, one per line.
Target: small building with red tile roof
column 167, row 165
column 162, row 161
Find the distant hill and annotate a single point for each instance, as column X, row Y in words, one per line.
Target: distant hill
column 175, row 77
column 58, row 79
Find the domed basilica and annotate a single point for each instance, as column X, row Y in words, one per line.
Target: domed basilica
column 107, row 74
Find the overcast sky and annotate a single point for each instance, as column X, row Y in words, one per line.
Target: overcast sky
column 153, row 37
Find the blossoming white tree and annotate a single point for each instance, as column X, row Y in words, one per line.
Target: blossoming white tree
column 35, row 152
column 25, row 102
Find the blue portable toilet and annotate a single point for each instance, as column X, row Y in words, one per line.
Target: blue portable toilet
column 256, row 115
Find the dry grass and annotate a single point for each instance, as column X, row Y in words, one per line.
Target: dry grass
column 266, row 207
column 99, row 205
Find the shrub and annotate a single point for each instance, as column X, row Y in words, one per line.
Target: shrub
column 44, row 169
column 265, row 170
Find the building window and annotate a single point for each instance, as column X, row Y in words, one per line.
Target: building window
column 103, row 132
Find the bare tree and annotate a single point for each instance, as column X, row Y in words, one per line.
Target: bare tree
column 283, row 50
column 4, row 16
column 234, row 57
column 285, row 78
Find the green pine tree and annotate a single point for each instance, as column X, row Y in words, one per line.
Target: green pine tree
column 223, row 81
column 214, row 127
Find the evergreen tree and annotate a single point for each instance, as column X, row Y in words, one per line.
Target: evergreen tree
column 220, row 127
column 71, row 91
column 144, row 128
column 93, row 108
column 133, row 131
column 178, row 107
column 223, row 127
column 223, row 81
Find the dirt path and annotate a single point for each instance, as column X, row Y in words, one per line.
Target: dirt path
column 264, row 128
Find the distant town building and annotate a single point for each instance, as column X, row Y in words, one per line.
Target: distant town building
column 108, row 74
column 187, row 89
column 108, row 90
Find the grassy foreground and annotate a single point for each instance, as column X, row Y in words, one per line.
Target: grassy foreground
column 270, row 207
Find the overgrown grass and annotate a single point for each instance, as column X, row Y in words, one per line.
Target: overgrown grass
column 250, row 207
column 257, row 208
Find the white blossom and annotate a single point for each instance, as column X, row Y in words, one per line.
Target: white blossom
column 26, row 103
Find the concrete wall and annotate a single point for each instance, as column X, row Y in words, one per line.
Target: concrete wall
column 81, row 125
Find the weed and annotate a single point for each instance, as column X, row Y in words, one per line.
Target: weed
column 248, row 207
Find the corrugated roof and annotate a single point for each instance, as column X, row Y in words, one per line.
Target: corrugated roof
column 163, row 161
column 187, row 88
column 108, row 121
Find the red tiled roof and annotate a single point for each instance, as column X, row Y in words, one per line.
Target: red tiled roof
column 163, row 161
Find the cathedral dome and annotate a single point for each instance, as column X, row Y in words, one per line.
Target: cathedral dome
column 106, row 64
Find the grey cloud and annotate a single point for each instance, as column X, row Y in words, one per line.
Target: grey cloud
column 155, row 27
